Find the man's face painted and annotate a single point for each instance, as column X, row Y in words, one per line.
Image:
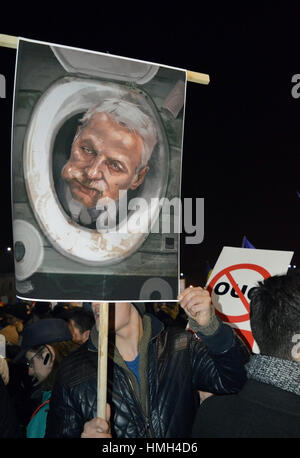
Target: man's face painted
column 104, row 159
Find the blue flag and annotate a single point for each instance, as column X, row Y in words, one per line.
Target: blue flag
column 208, row 270
column 246, row 243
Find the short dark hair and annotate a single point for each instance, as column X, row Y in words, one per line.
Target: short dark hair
column 275, row 314
column 83, row 319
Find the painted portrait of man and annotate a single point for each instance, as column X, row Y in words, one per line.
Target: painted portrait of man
column 109, row 155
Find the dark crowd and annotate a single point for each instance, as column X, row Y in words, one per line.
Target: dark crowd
column 175, row 370
column 23, row 388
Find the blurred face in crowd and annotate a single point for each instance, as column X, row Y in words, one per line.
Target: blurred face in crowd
column 78, row 336
column 35, row 362
column 105, row 158
column 15, row 322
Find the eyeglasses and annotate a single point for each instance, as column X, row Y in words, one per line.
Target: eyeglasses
column 30, row 362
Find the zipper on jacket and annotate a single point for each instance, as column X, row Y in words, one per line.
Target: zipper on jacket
column 149, row 432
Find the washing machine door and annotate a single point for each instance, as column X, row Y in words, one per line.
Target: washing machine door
column 67, row 98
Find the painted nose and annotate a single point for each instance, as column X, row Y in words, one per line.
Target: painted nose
column 95, row 170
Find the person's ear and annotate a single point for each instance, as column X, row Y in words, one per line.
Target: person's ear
column 50, row 356
column 85, row 335
column 138, row 180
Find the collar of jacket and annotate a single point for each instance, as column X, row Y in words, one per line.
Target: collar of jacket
column 282, row 373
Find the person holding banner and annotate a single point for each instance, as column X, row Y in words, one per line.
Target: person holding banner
column 153, row 373
column 268, row 406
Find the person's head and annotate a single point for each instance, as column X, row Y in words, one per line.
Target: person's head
column 42, row 360
column 110, row 152
column 120, row 314
column 80, row 323
column 16, row 314
column 40, row 346
column 61, row 310
column 275, row 314
column 15, row 321
column 42, row 309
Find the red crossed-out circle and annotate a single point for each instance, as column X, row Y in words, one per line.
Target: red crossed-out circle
column 226, row 271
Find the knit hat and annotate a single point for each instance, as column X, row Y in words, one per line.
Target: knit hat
column 42, row 332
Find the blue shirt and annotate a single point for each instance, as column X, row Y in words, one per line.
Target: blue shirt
column 134, row 367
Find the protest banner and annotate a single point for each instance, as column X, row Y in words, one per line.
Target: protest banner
column 91, row 225
column 76, row 239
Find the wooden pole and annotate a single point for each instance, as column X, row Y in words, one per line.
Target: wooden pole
column 102, row 360
column 9, row 41
column 195, row 77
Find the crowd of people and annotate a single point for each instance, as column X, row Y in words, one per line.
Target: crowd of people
column 37, row 337
column 175, row 370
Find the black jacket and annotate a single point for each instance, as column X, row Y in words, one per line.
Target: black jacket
column 258, row 410
column 173, row 366
column 9, row 424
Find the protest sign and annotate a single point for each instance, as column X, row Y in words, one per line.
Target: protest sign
column 236, row 272
column 90, row 220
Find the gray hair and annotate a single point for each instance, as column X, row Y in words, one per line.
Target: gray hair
column 131, row 116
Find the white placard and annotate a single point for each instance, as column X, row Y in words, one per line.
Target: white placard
column 236, row 272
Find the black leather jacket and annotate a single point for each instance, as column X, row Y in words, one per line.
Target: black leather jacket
column 173, row 366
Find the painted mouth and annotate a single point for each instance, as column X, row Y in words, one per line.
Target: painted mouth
column 91, row 192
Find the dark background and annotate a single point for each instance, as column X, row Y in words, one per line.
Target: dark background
column 242, row 135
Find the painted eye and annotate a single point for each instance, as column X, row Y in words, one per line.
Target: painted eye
column 115, row 166
column 87, row 150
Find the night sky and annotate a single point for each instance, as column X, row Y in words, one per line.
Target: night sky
column 242, row 131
